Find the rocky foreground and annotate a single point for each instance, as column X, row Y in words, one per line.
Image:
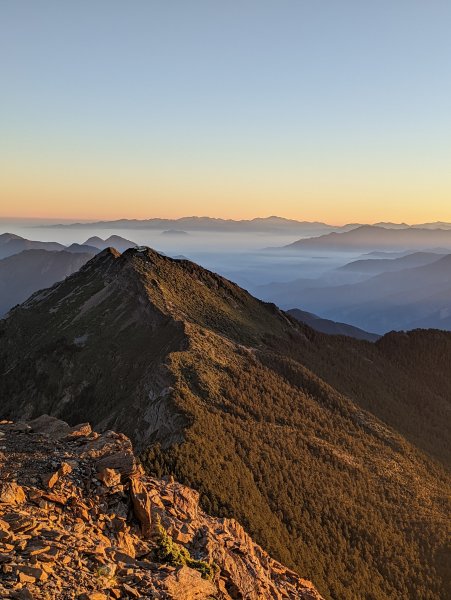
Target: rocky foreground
column 80, row 520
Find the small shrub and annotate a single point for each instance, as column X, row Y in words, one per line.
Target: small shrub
column 170, row 552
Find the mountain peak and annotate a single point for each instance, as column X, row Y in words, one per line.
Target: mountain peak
column 110, row 251
column 274, row 424
column 115, row 241
column 188, row 293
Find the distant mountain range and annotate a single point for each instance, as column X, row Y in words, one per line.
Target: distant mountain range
column 434, row 225
column 370, row 237
column 24, row 273
column 27, row 266
column 12, row 244
column 349, row 296
column 395, row 298
column 261, row 225
column 405, row 299
column 375, row 266
column 332, row 451
column 387, row 254
column 82, row 248
column 331, row 327
column 271, row 224
column 114, row 241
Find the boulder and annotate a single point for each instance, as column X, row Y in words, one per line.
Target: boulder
column 11, row 493
column 122, row 461
column 51, row 426
column 187, row 584
column 141, row 505
column 109, row 477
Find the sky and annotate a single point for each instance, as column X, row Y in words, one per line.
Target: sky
column 308, row 109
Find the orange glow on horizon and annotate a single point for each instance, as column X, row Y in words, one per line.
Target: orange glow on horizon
column 80, row 194
column 115, row 206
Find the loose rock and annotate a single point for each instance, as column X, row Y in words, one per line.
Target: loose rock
column 63, row 537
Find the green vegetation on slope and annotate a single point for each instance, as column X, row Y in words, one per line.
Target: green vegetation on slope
column 327, row 449
column 328, row 488
column 169, row 552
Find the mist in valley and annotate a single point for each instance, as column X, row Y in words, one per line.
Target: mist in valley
column 368, row 284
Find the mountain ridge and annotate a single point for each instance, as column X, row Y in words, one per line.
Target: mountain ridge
column 221, row 223
column 367, row 237
column 194, row 223
column 117, row 241
column 236, row 398
column 331, row 327
column 11, row 244
column 385, row 265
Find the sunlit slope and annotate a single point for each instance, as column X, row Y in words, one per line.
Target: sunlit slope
column 312, row 441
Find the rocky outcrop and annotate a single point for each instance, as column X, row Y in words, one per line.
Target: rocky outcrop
column 80, row 520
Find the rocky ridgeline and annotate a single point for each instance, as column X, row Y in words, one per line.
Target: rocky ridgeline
column 80, row 520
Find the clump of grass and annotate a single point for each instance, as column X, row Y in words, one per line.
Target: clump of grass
column 171, row 553
column 105, row 575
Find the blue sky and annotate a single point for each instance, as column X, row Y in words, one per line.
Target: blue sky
column 307, row 109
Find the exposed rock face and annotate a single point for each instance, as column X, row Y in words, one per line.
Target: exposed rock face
column 95, row 532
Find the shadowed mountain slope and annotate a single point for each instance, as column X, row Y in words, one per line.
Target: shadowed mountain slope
column 320, row 445
column 23, row 273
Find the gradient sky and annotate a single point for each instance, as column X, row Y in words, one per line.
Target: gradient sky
column 311, row 109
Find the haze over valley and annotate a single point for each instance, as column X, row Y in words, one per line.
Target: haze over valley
column 373, row 277
column 216, row 377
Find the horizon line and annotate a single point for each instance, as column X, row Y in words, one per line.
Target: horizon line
column 82, row 221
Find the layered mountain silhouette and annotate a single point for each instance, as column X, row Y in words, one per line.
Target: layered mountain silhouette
column 330, row 451
column 331, row 327
column 370, row 237
column 26, row 271
column 83, row 248
column 30, row 270
column 271, row 224
column 115, row 241
column 375, row 266
column 402, row 299
column 13, row 244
